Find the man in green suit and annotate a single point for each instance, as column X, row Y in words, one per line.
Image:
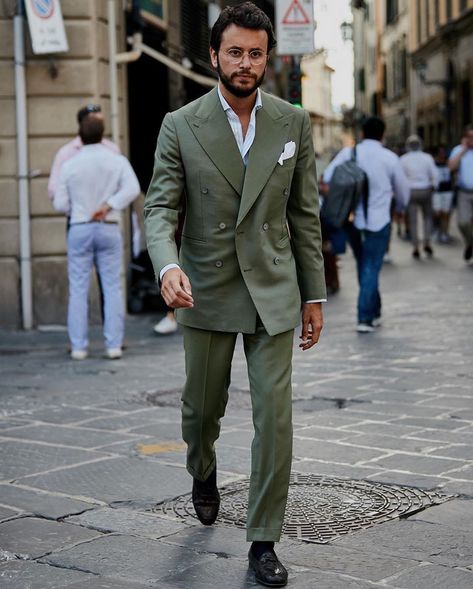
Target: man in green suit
column 250, row 260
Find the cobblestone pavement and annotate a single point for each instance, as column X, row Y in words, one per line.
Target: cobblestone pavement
column 88, row 448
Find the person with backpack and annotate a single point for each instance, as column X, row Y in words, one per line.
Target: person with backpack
column 369, row 232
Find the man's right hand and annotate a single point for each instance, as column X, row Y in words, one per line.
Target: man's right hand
column 176, row 289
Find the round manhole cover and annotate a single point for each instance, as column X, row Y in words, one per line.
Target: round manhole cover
column 319, row 509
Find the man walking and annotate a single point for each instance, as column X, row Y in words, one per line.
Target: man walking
column 369, row 236
column 93, row 187
column 250, row 253
column 423, row 177
column 461, row 161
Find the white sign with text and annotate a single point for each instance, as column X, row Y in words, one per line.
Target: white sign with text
column 46, row 26
column 294, row 27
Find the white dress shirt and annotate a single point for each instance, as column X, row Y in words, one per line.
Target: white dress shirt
column 465, row 169
column 93, row 177
column 420, row 169
column 385, row 177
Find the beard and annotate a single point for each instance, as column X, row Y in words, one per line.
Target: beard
column 239, row 91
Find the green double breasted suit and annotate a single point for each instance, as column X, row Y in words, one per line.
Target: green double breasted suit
column 251, row 247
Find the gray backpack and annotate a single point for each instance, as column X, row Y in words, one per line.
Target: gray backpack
column 348, row 187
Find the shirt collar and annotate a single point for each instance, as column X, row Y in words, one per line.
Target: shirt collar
column 226, row 107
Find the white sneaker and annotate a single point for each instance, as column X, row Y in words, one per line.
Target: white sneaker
column 79, row 354
column 166, row 326
column 364, row 328
column 114, row 353
column 377, row 322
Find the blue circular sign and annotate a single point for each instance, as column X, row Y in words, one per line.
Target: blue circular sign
column 43, row 8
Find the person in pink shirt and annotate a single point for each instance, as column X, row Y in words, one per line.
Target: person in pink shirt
column 73, row 147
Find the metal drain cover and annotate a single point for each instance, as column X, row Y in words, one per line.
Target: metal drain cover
column 319, row 508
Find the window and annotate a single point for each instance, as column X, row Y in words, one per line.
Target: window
column 449, row 9
column 391, row 11
column 361, row 80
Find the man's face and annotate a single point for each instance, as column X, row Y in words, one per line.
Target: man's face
column 241, row 76
column 469, row 139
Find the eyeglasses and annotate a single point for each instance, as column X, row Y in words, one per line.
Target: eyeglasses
column 235, row 56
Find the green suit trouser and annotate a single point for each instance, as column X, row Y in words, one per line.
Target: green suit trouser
column 208, row 365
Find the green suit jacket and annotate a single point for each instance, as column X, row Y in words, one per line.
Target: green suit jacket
column 251, row 241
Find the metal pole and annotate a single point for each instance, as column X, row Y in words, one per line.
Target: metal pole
column 112, row 56
column 22, row 174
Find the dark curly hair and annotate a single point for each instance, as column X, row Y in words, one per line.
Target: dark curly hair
column 246, row 15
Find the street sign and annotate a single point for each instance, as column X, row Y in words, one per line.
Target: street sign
column 294, row 27
column 46, row 26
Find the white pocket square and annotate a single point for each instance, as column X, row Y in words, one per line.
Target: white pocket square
column 289, row 151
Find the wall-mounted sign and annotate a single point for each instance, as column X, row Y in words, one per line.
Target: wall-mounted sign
column 155, row 12
column 294, row 27
column 46, row 26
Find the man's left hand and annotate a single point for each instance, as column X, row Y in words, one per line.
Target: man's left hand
column 312, row 323
column 101, row 213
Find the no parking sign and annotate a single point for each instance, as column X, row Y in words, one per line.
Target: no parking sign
column 46, row 26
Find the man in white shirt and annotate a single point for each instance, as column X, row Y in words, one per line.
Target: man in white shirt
column 369, row 237
column 423, row 178
column 461, row 161
column 93, row 187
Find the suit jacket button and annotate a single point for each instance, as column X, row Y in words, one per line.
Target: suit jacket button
column 265, row 226
column 276, row 260
column 285, row 192
column 219, row 263
column 205, row 190
column 222, row 226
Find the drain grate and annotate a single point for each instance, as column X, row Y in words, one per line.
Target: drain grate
column 319, row 508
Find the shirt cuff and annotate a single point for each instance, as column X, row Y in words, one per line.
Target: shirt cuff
column 317, row 301
column 166, row 268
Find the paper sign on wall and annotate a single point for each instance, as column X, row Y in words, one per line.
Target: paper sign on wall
column 46, row 26
column 294, row 27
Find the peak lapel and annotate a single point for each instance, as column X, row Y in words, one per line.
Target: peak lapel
column 272, row 130
column 212, row 130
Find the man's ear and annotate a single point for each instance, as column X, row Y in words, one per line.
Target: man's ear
column 213, row 58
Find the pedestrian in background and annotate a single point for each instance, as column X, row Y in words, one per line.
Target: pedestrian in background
column 369, row 235
column 250, row 260
column 71, row 149
column 423, row 178
column 443, row 196
column 93, row 187
column 461, row 162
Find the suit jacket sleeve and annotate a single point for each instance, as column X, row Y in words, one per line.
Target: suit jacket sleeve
column 163, row 201
column 304, row 222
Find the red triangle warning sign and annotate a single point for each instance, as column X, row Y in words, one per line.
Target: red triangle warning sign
column 295, row 15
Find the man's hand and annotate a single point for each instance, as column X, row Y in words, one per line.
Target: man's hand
column 176, row 289
column 312, row 323
column 101, row 213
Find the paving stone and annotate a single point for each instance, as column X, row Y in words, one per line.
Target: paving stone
column 444, row 423
column 319, row 580
column 335, row 470
column 443, row 436
column 6, row 424
column 223, row 541
column 460, row 488
column 392, row 443
column 449, row 402
column 67, row 436
column 395, row 409
column 126, row 422
column 435, row 577
column 321, row 433
column 20, row 458
column 21, row 574
column 333, row 452
column 336, row 559
column 389, row 429
column 127, row 521
column 465, row 472
column 220, row 572
column 64, row 414
column 417, row 464
column 32, row 537
column 236, row 439
column 460, row 451
column 117, row 479
column 456, row 514
column 41, row 504
column 6, row 513
column 129, row 559
column 409, row 479
column 415, row 540
column 161, row 431
column 104, row 583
